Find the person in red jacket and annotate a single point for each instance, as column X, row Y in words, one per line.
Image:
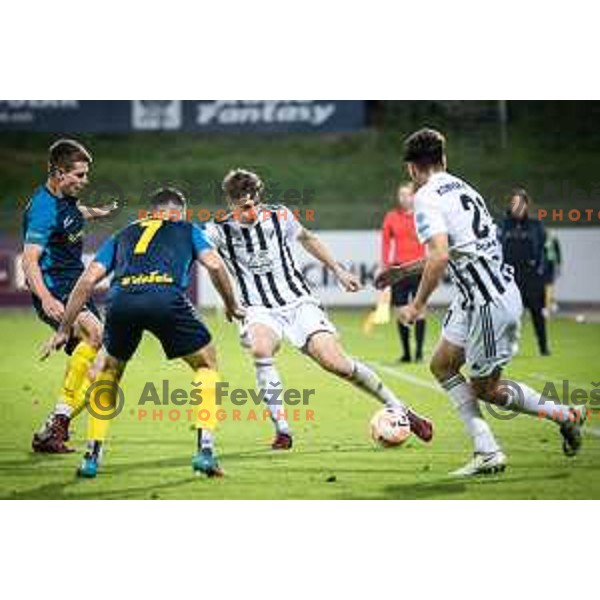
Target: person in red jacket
column 399, row 231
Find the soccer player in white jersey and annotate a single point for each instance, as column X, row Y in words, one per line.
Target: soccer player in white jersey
column 481, row 324
column 256, row 243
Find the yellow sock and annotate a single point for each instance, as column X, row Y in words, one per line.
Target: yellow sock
column 102, row 402
column 76, row 376
column 207, row 410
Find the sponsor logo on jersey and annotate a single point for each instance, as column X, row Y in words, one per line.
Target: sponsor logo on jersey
column 146, row 278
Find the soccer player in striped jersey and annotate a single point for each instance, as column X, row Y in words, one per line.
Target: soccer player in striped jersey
column 256, row 242
column 481, row 324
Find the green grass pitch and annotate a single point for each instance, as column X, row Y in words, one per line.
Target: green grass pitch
column 333, row 456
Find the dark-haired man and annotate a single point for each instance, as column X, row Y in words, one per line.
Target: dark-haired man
column 481, row 324
column 150, row 261
column 523, row 240
column 53, row 244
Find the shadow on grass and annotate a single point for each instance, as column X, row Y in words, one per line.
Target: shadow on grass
column 452, row 487
column 73, row 489
column 70, row 488
column 446, row 488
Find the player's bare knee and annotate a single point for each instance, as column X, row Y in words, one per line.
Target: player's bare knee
column 209, row 354
column 326, row 350
column 94, row 338
column 205, row 358
column 261, row 349
column 484, row 387
column 89, row 329
column 205, row 362
column 336, row 364
column 479, row 387
column 108, row 365
column 487, row 388
column 441, row 368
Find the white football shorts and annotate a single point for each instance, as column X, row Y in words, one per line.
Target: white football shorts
column 296, row 323
column 488, row 333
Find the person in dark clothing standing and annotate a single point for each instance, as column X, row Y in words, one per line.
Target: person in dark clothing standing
column 552, row 267
column 523, row 239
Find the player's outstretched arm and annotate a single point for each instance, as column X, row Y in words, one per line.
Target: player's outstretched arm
column 98, row 212
column 215, row 266
column 389, row 275
column 314, row 246
column 79, row 296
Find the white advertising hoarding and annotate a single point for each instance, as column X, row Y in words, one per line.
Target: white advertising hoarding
column 359, row 250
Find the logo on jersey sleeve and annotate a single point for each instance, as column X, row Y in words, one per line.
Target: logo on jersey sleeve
column 423, row 228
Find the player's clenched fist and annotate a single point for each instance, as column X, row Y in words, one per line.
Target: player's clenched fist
column 408, row 314
column 348, row 281
column 56, row 342
column 53, row 308
column 234, row 313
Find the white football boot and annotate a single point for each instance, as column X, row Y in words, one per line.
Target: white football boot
column 482, row 464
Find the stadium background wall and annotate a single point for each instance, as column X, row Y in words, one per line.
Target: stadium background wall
column 579, row 284
column 339, row 159
column 113, row 116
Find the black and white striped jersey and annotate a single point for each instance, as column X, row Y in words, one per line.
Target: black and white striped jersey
column 259, row 256
column 446, row 204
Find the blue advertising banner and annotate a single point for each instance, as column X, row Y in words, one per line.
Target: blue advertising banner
column 254, row 116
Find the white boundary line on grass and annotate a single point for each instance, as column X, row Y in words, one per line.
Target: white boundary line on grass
column 408, row 378
column 593, row 431
column 432, row 386
column 554, row 379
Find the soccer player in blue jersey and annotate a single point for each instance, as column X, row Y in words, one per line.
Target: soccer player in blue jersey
column 53, row 243
column 150, row 260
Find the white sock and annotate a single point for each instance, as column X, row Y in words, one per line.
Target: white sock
column 367, row 380
column 63, row 409
column 533, row 403
column 462, row 396
column 267, row 378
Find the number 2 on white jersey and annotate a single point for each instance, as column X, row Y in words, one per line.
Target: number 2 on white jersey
column 480, row 229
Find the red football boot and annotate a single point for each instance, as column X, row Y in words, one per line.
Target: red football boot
column 52, row 439
column 420, row 426
column 282, row 441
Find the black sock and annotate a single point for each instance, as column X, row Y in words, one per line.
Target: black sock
column 420, row 336
column 204, row 440
column 539, row 326
column 94, row 448
column 404, row 332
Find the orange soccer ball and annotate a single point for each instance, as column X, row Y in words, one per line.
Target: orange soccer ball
column 390, row 427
